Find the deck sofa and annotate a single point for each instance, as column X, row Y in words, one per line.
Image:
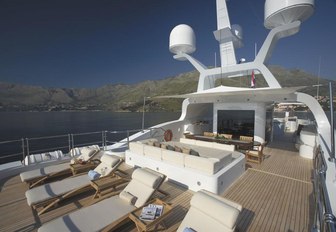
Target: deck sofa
column 194, row 164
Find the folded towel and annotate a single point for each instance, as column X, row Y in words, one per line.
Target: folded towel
column 188, row 229
column 93, row 175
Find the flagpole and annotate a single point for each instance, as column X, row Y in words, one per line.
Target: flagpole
column 255, row 50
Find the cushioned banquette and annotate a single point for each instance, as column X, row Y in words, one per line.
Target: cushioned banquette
column 205, row 156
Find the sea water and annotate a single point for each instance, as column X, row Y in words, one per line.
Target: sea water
column 32, row 125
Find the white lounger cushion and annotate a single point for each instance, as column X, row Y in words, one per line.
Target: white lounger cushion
column 142, row 185
column 25, row 176
column 92, row 218
column 108, row 163
column 98, row 216
column 209, row 212
column 48, row 191
column 86, row 154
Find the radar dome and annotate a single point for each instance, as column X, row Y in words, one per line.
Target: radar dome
column 182, row 40
column 279, row 13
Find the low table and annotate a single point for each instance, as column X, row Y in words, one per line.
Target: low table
column 104, row 183
column 143, row 225
column 239, row 144
column 79, row 168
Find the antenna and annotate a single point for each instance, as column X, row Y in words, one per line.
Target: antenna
column 255, row 50
column 318, row 79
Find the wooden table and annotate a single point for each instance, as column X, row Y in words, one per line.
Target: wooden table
column 239, row 144
column 105, row 183
column 143, row 225
column 79, row 168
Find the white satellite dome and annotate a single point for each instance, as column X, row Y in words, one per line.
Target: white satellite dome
column 182, row 40
column 279, row 12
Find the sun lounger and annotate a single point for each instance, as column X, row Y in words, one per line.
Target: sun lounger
column 49, row 195
column 42, row 157
column 111, row 211
column 38, row 176
column 210, row 212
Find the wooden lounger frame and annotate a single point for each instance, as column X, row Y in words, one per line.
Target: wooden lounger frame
column 125, row 218
column 53, row 202
column 41, row 179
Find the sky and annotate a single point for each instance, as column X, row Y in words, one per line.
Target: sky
column 91, row 43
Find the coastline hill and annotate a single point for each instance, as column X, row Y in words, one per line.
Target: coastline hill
column 123, row 97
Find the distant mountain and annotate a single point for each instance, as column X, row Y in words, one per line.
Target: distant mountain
column 122, row 97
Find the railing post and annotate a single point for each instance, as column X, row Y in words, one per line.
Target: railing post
column 72, row 141
column 27, row 145
column 128, row 139
column 23, row 150
column 103, row 140
column 106, row 140
column 69, row 143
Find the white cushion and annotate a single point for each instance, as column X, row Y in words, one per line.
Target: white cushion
column 206, row 165
column 147, row 177
column 209, row 212
column 26, row 176
column 224, row 146
column 143, row 184
column 51, row 190
column 137, row 148
column 128, row 197
column 87, row 153
column 152, row 152
column 107, row 164
column 91, row 218
column 203, row 143
column 215, row 208
column 188, row 141
column 176, row 158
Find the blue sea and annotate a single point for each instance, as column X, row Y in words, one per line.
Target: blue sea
column 32, row 125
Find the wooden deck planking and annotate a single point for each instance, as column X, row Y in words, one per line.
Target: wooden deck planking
column 276, row 196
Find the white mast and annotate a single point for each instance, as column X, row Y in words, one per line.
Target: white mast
column 229, row 37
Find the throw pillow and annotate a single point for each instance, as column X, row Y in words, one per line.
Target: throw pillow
column 164, row 146
column 186, row 150
column 171, row 148
column 178, row 149
column 194, row 153
column 156, row 144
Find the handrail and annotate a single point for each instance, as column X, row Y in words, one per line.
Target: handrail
column 324, row 220
column 332, row 132
column 66, row 143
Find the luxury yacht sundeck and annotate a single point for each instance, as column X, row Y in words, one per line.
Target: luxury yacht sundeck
column 293, row 187
column 276, row 195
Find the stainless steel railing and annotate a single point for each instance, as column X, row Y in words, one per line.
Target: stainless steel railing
column 19, row 149
column 324, row 220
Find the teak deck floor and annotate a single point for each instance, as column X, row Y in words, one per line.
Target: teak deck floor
column 276, row 196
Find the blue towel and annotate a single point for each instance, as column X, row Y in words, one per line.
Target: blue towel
column 188, row 229
column 93, row 175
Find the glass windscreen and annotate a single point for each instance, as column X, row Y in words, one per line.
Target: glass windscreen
column 236, row 122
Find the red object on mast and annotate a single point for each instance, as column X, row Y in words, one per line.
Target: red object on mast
column 252, row 80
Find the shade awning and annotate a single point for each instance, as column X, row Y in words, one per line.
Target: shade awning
column 231, row 91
